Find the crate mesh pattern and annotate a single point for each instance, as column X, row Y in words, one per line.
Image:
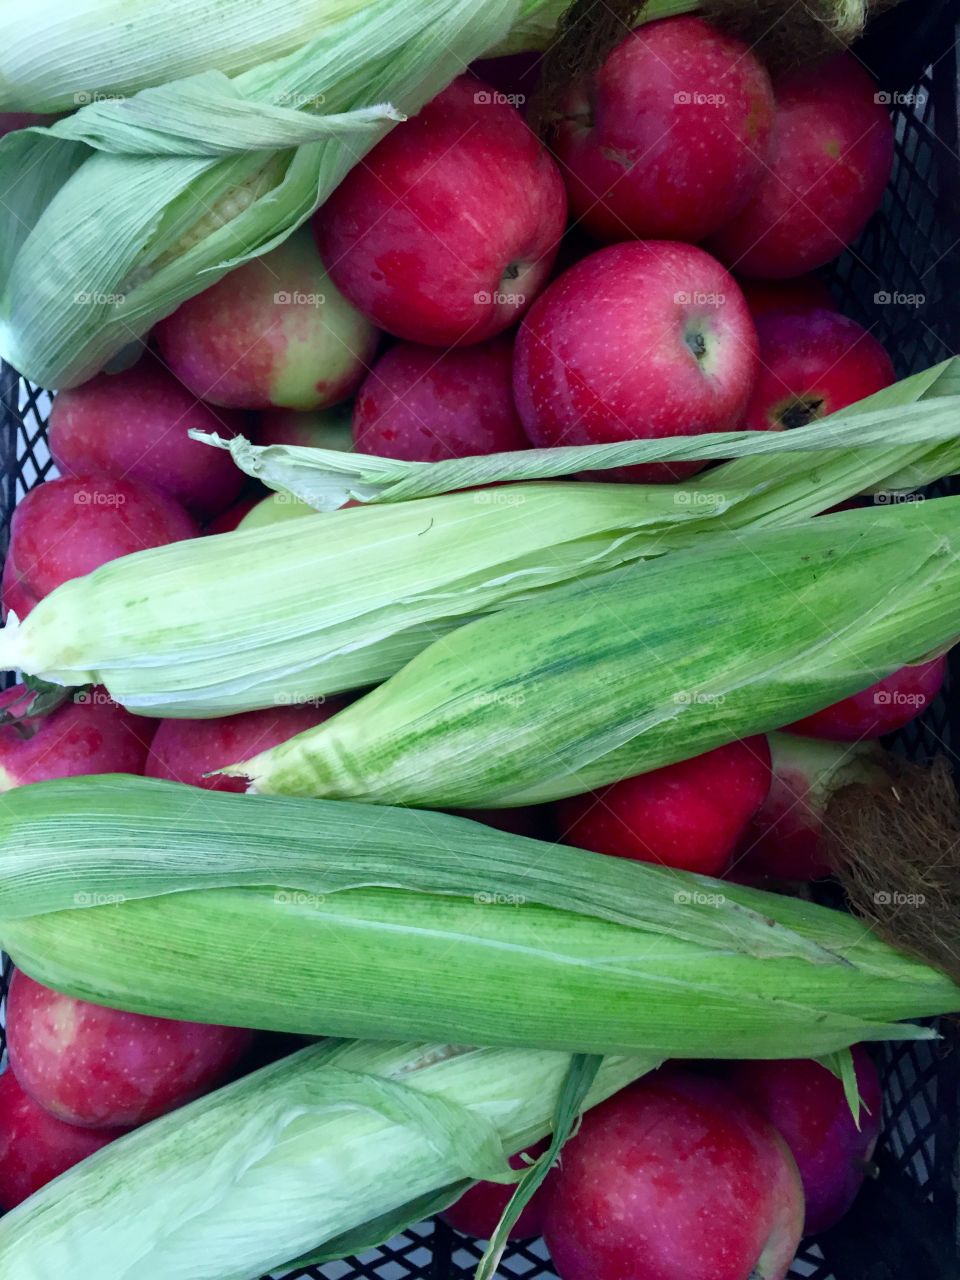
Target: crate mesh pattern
column 900, row 281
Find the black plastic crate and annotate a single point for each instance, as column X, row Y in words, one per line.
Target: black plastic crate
column 902, row 281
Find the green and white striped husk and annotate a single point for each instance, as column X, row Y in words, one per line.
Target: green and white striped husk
column 642, row 667
column 322, row 1154
column 329, row 918
column 316, row 606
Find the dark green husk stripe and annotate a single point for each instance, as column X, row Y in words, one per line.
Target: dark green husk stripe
column 328, row 918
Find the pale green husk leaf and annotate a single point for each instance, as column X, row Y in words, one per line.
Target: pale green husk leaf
column 917, row 416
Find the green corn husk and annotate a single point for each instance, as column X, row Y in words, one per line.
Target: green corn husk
column 344, row 600
column 637, row 669
column 324, row 1153
column 153, row 897
column 911, row 444
column 57, row 57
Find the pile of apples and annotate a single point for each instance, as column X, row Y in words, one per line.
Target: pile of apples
column 470, row 289
column 697, row 1174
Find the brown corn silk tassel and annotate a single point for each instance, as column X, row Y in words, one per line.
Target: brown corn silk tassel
column 585, row 34
column 784, row 34
column 896, row 850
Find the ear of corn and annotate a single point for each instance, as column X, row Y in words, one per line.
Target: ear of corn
column 336, row 1146
column 346, row 600
column 115, row 215
column 149, row 896
column 636, row 669
column 341, row 600
column 893, row 439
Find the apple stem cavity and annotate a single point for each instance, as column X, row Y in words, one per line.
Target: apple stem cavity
column 697, row 344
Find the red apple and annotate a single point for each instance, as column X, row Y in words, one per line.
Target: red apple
column 670, row 137
column 806, row 1104
column 35, row 1147
column 187, row 750
column 675, row 1178
column 134, row 425
column 830, row 161
column 16, row 599
column 812, row 363
column 448, row 229
column 786, row 295
column 783, row 840
column 425, row 405
column 65, row 528
column 689, row 815
column 90, row 1065
column 89, row 734
column 479, row 1210
column 881, row 708
column 636, row 341
column 321, row 429
column 275, row 332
